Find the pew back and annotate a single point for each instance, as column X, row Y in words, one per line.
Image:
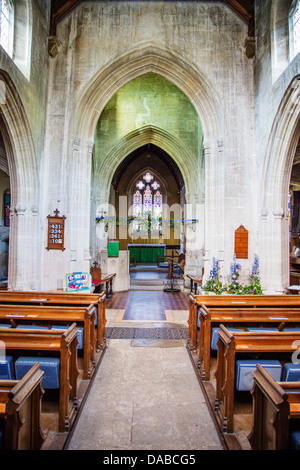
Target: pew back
column 63, row 342
column 229, row 344
column 62, row 299
column 275, row 404
column 212, row 316
column 225, row 301
column 20, row 410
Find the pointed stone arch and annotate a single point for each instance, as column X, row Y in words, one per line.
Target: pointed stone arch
column 146, row 58
column 140, row 137
column 153, row 58
column 274, row 236
column 19, row 146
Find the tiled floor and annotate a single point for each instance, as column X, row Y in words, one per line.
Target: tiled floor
column 147, row 305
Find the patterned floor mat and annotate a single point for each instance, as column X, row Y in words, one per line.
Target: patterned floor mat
column 146, row 333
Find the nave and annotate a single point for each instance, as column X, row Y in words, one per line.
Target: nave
column 145, row 395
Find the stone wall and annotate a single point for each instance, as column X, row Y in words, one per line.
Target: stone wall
column 24, row 87
column 197, row 46
column 276, row 121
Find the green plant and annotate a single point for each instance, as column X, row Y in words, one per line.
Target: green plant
column 214, row 283
column 254, row 288
column 234, row 287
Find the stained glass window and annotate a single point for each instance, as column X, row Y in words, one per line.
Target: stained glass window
column 6, row 209
column 148, row 177
column 140, row 185
column 137, row 204
column 155, row 185
column 147, row 201
column 295, row 17
column 6, row 15
column 157, row 204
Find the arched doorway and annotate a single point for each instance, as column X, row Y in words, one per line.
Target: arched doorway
column 168, row 145
column 149, row 59
column 150, row 186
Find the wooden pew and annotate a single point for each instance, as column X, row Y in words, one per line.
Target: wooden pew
column 275, row 406
column 225, row 301
column 63, row 299
column 20, row 411
column 62, row 342
column 212, row 316
column 229, row 345
column 52, row 315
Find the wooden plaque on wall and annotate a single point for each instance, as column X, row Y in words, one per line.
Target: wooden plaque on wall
column 241, row 243
column 56, row 232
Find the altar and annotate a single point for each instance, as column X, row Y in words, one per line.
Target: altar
column 146, row 253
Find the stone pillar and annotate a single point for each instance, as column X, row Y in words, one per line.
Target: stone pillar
column 23, row 272
column 79, row 235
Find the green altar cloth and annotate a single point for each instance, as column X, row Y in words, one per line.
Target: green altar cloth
column 146, row 253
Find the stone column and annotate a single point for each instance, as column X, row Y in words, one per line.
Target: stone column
column 23, row 273
column 79, row 235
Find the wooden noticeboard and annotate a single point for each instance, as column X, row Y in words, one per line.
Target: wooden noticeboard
column 241, row 243
column 56, row 232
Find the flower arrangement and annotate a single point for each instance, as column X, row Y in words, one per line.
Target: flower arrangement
column 214, row 283
column 234, row 287
column 254, row 287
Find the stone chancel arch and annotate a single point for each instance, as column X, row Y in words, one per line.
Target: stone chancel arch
column 152, row 59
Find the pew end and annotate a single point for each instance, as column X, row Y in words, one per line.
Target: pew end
column 20, row 411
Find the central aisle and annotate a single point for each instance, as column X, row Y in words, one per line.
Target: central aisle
column 145, row 396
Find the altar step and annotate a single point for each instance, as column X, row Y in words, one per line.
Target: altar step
column 152, row 284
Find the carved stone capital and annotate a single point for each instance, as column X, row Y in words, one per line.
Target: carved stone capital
column 250, row 47
column 20, row 209
column 54, row 46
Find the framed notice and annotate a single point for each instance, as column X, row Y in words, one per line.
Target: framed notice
column 77, row 282
column 241, row 243
column 56, row 232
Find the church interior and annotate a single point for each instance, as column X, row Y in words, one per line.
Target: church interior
column 149, row 225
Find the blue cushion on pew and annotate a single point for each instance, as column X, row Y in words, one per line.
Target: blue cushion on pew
column 294, row 443
column 261, row 328
column 294, row 328
column 7, row 368
column 79, row 334
column 291, row 372
column 33, row 327
column 4, row 325
column 50, row 366
column 215, row 336
column 244, row 369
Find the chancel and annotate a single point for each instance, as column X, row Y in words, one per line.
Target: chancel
column 149, row 217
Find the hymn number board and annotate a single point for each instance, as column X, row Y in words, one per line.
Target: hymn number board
column 56, row 232
column 241, row 243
